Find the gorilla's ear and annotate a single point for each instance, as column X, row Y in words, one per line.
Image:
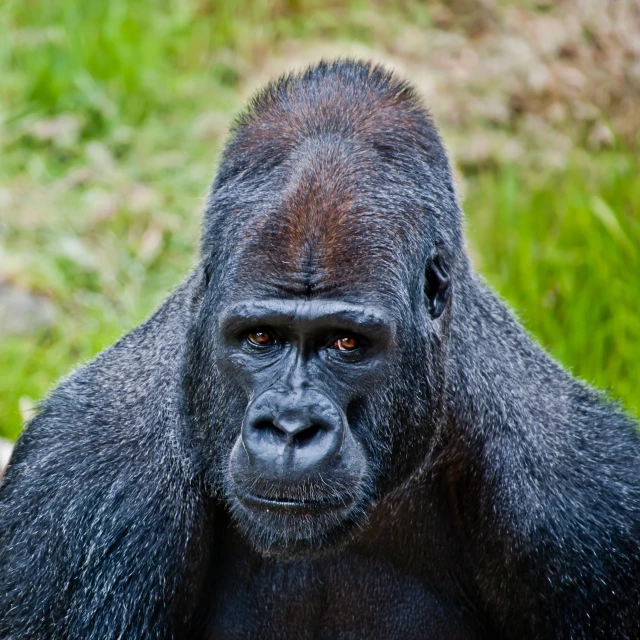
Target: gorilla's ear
column 437, row 286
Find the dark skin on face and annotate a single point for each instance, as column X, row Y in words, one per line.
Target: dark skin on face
column 304, row 362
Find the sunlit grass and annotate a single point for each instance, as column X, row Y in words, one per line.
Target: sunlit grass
column 565, row 251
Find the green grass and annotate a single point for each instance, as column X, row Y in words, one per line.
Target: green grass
column 565, row 252
column 102, row 214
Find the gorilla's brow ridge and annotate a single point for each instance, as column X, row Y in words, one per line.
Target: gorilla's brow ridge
column 248, row 313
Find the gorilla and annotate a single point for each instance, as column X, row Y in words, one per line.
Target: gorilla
column 333, row 428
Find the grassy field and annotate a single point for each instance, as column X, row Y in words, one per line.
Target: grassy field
column 111, row 118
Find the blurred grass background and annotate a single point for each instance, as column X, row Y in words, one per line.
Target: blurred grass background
column 112, row 115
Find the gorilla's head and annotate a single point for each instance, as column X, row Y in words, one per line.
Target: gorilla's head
column 315, row 370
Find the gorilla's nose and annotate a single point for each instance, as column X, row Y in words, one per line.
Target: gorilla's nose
column 299, row 434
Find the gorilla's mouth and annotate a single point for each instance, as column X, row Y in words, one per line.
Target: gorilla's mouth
column 294, row 506
column 296, row 528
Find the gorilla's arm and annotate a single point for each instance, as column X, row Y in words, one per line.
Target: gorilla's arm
column 101, row 521
column 549, row 495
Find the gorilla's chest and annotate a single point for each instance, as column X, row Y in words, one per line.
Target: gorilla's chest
column 346, row 596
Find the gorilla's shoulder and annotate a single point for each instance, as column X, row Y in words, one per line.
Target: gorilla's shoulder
column 95, row 476
column 128, row 392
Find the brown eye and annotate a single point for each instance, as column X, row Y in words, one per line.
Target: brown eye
column 346, row 343
column 261, row 338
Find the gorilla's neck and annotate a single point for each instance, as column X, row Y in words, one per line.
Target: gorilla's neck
column 501, row 385
column 505, row 394
column 517, row 423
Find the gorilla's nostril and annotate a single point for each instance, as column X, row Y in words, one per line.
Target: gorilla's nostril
column 270, row 429
column 308, row 435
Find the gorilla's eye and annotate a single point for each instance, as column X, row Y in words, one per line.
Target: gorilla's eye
column 262, row 338
column 345, row 343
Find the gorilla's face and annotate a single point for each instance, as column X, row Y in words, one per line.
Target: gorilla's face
column 314, row 373
column 311, row 409
column 299, row 470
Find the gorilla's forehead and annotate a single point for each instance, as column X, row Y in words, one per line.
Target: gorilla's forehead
column 336, row 220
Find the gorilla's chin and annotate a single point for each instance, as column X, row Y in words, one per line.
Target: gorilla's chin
column 292, row 533
column 292, row 528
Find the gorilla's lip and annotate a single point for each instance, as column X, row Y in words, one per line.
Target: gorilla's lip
column 267, row 503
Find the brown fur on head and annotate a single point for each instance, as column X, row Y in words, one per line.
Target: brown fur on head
column 333, row 173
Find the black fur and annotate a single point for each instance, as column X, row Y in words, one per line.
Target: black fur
column 501, row 496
